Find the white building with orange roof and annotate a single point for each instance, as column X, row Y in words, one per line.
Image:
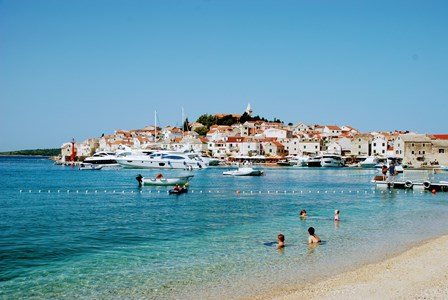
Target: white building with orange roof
column 273, row 148
column 219, row 132
column 379, row 145
column 361, row 144
column 278, row 133
column 171, row 133
column 292, row 147
column 310, row 145
column 300, row 128
column 332, row 131
column 341, row 145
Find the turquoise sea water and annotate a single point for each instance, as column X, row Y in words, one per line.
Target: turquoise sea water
column 66, row 233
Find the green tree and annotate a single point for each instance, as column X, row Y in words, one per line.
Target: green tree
column 207, row 120
column 227, row 120
column 186, row 127
column 202, row 130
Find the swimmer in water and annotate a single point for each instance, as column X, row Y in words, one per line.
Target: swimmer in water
column 280, row 241
column 313, row 238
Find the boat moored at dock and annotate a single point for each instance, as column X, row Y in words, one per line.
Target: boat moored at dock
column 163, row 160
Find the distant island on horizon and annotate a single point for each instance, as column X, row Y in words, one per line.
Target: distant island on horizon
column 34, row 152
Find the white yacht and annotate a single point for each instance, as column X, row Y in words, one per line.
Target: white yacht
column 315, row 161
column 163, row 159
column 369, row 162
column 331, row 160
column 101, row 160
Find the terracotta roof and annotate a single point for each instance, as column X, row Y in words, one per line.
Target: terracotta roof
column 439, row 136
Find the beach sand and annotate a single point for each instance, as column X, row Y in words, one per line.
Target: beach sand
column 419, row 273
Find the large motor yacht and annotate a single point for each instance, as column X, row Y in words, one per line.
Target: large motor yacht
column 315, row 161
column 163, row 159
column 331, row 160
column 101, row 160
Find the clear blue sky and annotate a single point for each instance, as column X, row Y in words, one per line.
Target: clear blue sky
column 86, row 67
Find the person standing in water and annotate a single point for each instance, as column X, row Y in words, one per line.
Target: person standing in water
column 336, row 215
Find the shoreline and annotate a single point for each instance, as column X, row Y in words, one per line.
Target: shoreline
column 419, row 272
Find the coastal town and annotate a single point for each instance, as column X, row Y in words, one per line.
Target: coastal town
column 263, row 141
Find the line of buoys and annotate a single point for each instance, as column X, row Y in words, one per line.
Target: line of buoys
column 223, row 191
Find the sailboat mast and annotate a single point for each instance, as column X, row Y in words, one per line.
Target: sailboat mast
column 155, row 126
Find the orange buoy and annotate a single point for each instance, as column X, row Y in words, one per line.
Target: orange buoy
column 237, row 191
column 434, row 191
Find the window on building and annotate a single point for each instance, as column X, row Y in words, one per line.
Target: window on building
column 423, row 152
column 412, row 145
column 412, row 152
column 423, row 145
column 374, row 151
column 374, row 144
column 441, row 150
column 384, row 151
column 384, row 144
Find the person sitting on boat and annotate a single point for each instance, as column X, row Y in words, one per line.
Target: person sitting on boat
column 158, row 176
column 384, row 171
column 177, row 187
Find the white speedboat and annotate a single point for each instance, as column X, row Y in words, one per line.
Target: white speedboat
column 163, row 181
column 163, row 159
column 331, row 160
column 90, row 167
column 211, row 161
column 369, row 162
column 244, row 171
column 101, row 160
column 286, row 162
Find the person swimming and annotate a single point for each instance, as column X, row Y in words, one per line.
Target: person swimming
column 280, row 241
column 313, row 238
column 303, row 214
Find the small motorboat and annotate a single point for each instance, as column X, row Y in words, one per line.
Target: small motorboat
column 159, row 180
column 244, row 171
column 87, row 166
column 178, row 191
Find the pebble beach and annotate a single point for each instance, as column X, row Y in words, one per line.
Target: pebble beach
column 418, row 273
